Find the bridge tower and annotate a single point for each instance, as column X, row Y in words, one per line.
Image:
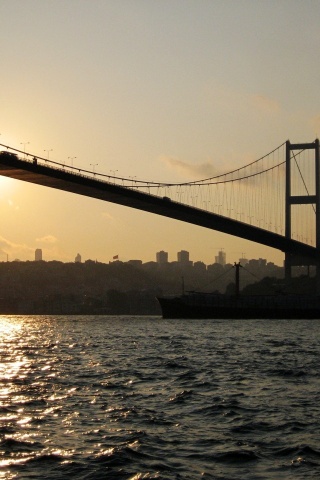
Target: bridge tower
column 291, row 259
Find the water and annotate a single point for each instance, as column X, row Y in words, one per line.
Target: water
column 145, row 398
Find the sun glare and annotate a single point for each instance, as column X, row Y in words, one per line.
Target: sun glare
column 7, row 328
column 6, row 185
column 11, row 366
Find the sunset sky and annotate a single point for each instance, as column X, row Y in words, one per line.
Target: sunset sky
column 153, row 90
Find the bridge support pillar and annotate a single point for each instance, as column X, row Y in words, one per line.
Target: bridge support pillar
column 290, row 258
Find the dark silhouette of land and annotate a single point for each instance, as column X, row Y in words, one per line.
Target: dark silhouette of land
column 127, row 288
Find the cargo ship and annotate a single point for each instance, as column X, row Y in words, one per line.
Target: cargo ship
column 197, row 305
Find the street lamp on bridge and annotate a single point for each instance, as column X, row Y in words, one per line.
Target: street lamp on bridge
column 72, row 158
column 48, row 152
column 113, row 173
column 93, row 165
column 24, row 148
column 132, row 178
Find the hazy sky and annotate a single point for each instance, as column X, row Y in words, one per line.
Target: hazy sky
column 128, row 84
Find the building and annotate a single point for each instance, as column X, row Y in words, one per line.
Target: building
column 183, row 258
column 135, row 263
column 221, row 258
column 200, row 267
column 38, row 255
column 78, row 258
column 162, row 257
column 243, row 261
column 261, row 263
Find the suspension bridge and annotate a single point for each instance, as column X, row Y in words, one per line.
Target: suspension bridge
column 274, row 200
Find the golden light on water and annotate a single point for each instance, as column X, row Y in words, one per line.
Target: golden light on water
column 10, row 367
column 8, row 328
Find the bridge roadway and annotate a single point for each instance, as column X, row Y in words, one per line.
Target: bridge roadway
column 57, row 177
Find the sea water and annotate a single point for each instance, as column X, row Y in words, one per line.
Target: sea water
column 94, row 397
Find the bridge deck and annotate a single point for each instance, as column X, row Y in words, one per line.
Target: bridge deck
column 41, row 174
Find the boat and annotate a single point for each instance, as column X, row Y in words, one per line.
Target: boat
column 197, row 305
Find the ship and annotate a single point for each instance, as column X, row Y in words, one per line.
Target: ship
column 199, row 305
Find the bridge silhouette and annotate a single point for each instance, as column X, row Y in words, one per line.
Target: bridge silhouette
column 266, row 191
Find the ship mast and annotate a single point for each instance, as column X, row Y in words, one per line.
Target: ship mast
column 237, row 277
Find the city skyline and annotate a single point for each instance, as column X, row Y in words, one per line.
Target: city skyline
column 161, row 258
column 165, row 92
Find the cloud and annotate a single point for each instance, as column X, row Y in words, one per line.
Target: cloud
column 14, row 250
column 265, row 104
column 107, row 216
column 47, row 239
column 24, row 252
column 12, row 205
column 207, row 169
column 188, row 170
column 228, row 100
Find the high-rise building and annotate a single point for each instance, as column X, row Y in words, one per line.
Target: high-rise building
column 183, row 257
column 162, row 257
column 38, row 255
column 221, row 258
column 78, row 258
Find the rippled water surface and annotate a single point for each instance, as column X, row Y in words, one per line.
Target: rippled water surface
column 145, row 398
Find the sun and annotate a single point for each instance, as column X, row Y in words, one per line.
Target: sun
column 7, row 185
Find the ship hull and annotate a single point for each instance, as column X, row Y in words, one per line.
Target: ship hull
column 191, row 307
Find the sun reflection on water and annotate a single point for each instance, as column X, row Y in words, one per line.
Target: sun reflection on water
column 13, row 362
column 7, row 327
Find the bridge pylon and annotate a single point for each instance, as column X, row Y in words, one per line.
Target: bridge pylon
column 291, row 259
